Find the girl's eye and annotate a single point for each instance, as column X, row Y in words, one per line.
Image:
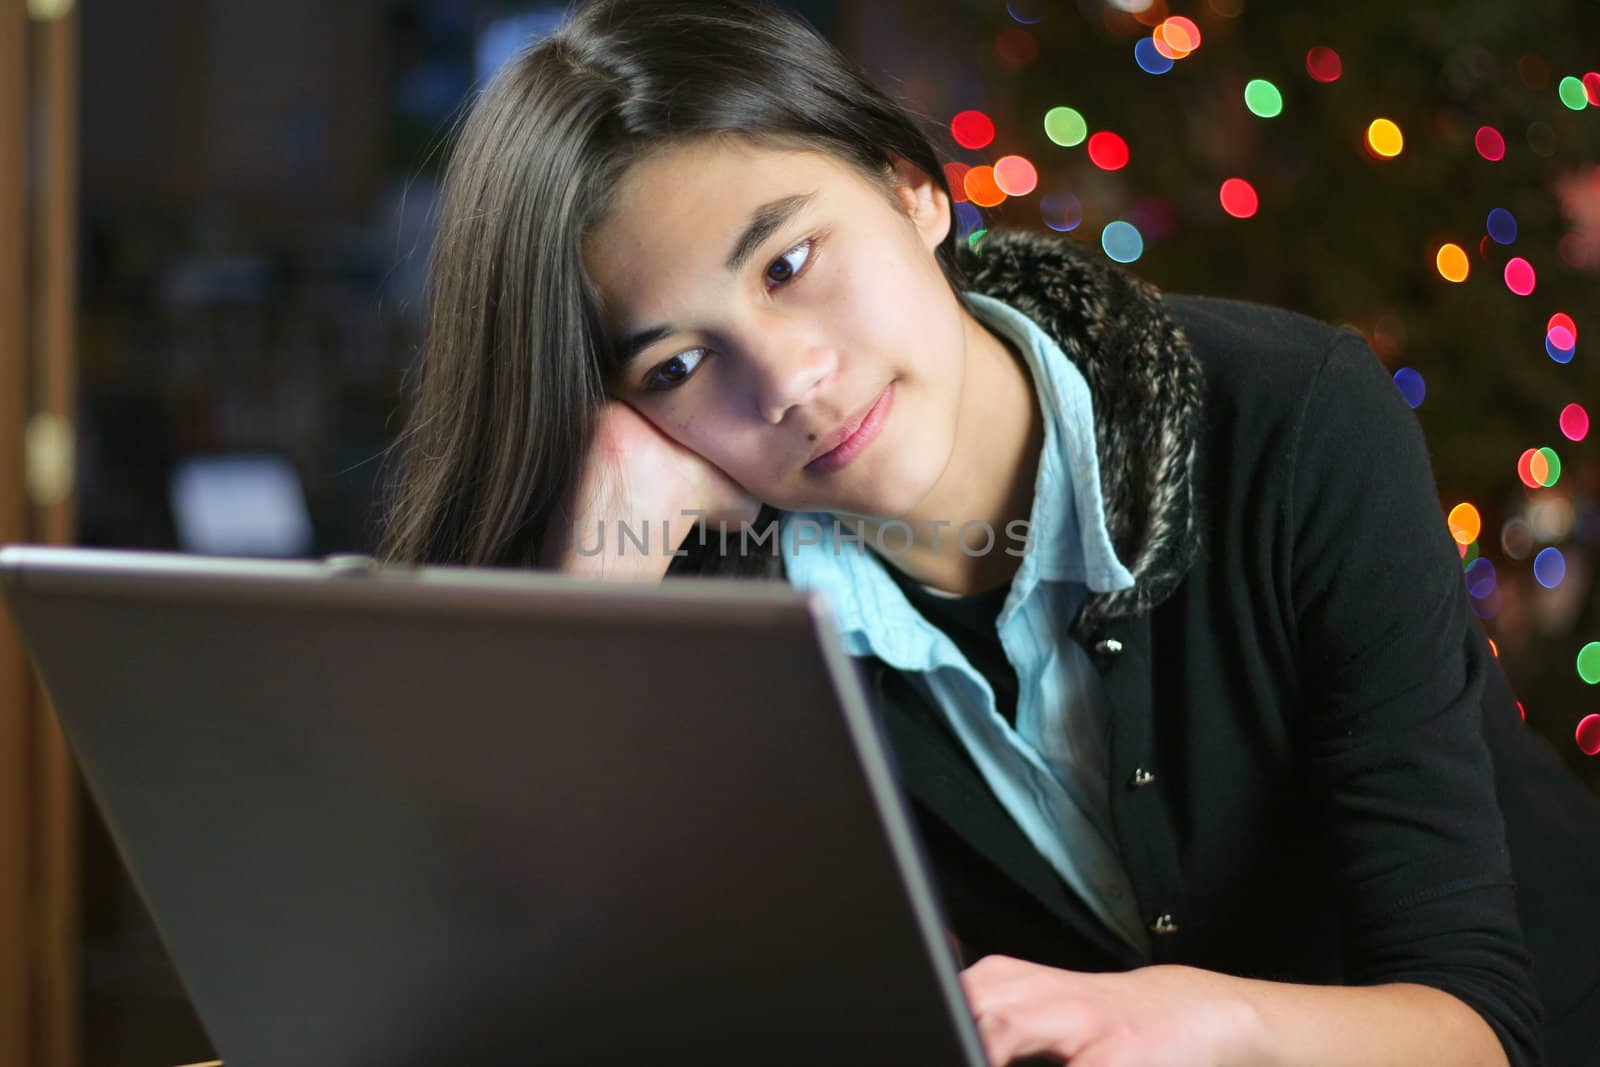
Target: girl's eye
column 792, row 263
column 674, row 371
column 783, row 270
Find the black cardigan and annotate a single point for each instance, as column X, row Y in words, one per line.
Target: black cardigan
column 1310, row 745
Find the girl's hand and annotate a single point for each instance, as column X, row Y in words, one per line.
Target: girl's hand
column 1161, row 1016
column 638, row 476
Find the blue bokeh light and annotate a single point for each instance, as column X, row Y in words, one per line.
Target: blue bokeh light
column 1549, row 567
column 1411, row 386
column 1556, row 352
column 1480, row 578
column 1502, row 225
column 1122, row 241
column 1061, row 211
column 1149, row 58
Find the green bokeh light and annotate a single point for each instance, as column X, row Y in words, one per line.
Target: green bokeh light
column 1589, row 663
column 1572, row 93
column 1066, row 127
column 1555, row 466
column 1263, row 98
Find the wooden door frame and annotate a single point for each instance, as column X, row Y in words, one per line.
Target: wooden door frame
column 40, row 894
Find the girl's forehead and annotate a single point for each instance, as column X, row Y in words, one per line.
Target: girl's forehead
column 680, row 211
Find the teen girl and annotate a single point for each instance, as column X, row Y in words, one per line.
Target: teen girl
column 1218, row 770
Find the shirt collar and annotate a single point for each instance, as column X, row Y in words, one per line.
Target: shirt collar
column 1067, row 536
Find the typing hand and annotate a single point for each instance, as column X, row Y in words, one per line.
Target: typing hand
column 1162, row 1016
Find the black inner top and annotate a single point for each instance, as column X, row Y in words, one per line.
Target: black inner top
column 969, row 621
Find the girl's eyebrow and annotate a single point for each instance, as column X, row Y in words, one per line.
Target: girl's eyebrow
column 764, row 222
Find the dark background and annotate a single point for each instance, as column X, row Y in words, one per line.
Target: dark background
column 258, row 180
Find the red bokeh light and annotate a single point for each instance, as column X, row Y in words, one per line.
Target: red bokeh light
column 972, row 129
column 1588, row 735
column 1239, row 198
column 1324, row 64
column 956, row 174
column 1490, row 144
column 1108, row 151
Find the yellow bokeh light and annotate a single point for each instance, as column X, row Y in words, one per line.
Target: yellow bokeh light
column 1465, row 524
column 1384, row 138
column 1453, row 263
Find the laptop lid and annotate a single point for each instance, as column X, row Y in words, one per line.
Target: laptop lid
column 395, row 815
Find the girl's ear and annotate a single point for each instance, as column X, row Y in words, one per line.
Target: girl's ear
column 925, row 204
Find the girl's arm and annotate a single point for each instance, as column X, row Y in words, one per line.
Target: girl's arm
column 1173, row 1016
column 1389, row 739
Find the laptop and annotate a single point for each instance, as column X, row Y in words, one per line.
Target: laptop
column 410, row 815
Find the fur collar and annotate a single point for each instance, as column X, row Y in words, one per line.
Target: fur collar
column 1145, row 383
column 1146, row 386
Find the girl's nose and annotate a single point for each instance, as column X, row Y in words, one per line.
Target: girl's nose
column 786, row 371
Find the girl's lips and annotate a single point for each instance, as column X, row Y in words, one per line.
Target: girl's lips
column 853, row 445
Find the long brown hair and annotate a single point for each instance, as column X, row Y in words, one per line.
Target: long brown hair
column 510, row 382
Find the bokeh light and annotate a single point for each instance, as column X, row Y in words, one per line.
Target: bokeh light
column 1384, row 138
column 968, row 218
column 1591, row 87
column 1061, row 212
column 1176, row 37
column 1532, row 468
column 1572, row 93
column 1519, row 276
column 1026, row 12
column 1239, row 198
column 1516, row 539
column 1452, row 262
column 1065, row 126
column 1480, row 578
column 956, row 175
column 1122, row 241
column 1016, row 47
column 981, row 187
column 1149, row 57
column 1015, row 175
column 1559, row 345
column 1323, row 64
column 1533, row 72
column 1263, row 98
column 1490, row 144
column 1541, row 138
column 1564, row 321
column 1589, row 663
column 1551, row 519
column 1465, row 524
column 1502, row 226
column 1182, row 33
column 972, row 129
column 1552, row 469
column 1108, row 151
column 1411, row 386
column 1588, row 735
column 1549, row 567
column 1574, row 422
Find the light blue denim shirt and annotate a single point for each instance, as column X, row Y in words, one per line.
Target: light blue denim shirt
column 1049, row 771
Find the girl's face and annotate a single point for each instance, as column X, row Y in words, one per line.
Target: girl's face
column 769, row 298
